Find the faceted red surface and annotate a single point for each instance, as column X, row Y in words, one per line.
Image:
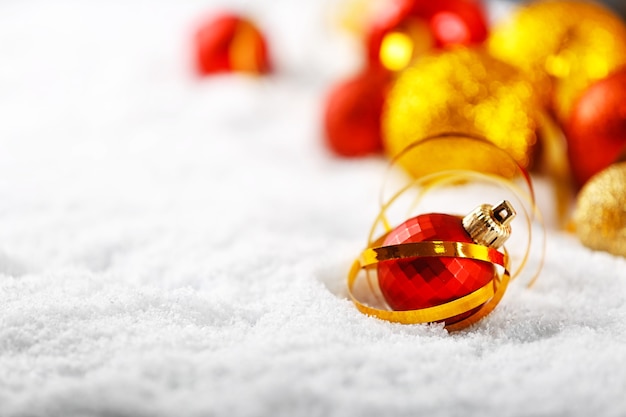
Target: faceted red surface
column 410, row 284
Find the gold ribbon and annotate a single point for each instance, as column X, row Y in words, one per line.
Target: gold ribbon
column 372, row 256
column 487, row 296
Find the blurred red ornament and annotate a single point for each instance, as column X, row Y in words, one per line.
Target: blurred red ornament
column 454, row 22
column 352, row 114
column 408, row 28
column 230, row 43
column 395, row 37
column 596, row 131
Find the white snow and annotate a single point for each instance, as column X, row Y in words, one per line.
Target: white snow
column 177, row 246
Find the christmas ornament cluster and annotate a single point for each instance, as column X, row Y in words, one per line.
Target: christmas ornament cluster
column 543, row 89
column 546, row 83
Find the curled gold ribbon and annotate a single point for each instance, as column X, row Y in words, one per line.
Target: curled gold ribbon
column 487, row 296
column 443, row 169
column 504, row 172
column 372, row 256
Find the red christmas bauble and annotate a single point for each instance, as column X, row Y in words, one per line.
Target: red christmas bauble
column 454, row 22
column 352, row 114
column 425, row 24
column 411, row 284
column 396, row 17
column 596, row 131
column 228, row 43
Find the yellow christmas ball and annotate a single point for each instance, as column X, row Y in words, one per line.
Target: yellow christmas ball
column 462, row 90
column 573, row 42
column 600, row 216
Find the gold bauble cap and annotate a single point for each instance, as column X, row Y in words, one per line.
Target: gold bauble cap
column 488, row 225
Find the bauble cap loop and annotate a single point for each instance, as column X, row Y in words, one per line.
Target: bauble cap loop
column 488, row 225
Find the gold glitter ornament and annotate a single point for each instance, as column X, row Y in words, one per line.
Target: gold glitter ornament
column 574, row 43
column 461, row 90
column 600, row 216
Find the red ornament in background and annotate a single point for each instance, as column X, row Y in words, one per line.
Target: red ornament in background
column 409, row 27
column 406, row 29
column 413, row 284
column 352, row 114
column 596, row 131
column 229, row 43
column 412, row 36
column 454, row 22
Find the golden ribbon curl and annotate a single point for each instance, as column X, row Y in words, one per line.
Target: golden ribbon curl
column 487, row 296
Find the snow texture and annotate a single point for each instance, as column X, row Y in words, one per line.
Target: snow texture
column 175, row 246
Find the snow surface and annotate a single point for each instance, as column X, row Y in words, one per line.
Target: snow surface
column 171, row 246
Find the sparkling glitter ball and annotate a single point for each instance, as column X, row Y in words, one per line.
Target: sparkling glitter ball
column 600, row 215
column 463, row 90
column 411, row 284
